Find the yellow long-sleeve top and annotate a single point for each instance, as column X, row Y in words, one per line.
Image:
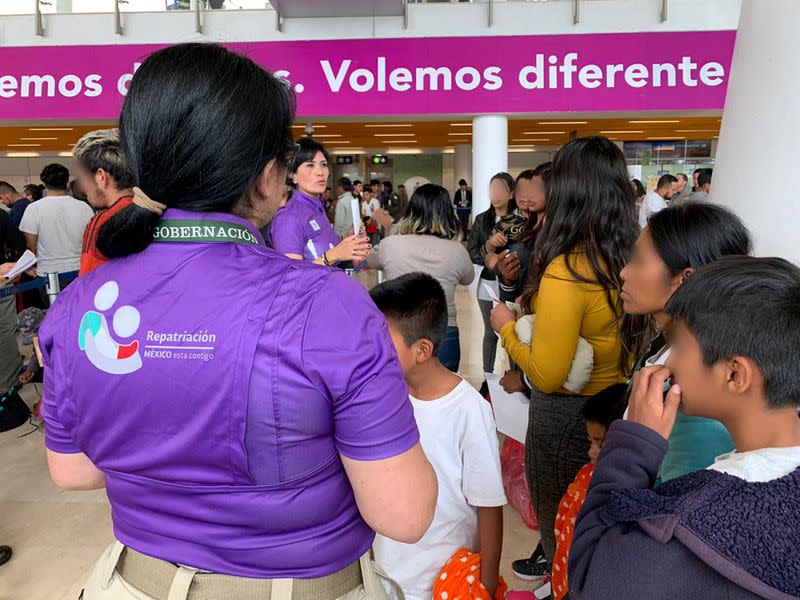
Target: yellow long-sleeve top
column 565, row 310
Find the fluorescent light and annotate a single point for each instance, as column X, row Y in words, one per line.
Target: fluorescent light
column 303, row 126
column 531, row 140
column 650, row 122
column 563, row 122
column 21, row 154
column 521, row 149
column 460, row 124
column 399, row 142
column 65, row 154
column 543, row 132
column 459, row 133
column 620, row 132
column 51, row 129
column 697, row 130
column 24, row 145
column 394, row 134
column 405, row 151
column 349, row 151
column 328, row 135
column 26, row 139
column 390, row 125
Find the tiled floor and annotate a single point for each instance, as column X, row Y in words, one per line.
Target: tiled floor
column 57, row 535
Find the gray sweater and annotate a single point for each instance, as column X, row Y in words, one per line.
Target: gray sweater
column 447, row 261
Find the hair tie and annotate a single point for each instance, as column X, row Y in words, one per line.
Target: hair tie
column 143, row 200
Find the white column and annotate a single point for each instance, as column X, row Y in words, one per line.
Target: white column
column 760, row 138
column 489, row 156
column 462, row 157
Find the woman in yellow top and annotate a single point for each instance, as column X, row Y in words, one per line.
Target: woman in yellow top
column 573, row 289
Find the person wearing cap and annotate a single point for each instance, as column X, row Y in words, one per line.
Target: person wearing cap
column 245, row 412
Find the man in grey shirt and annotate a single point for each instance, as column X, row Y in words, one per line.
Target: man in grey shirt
column 703, row 186
column 344, row 208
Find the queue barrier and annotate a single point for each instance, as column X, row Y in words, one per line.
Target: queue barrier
column 52, row 283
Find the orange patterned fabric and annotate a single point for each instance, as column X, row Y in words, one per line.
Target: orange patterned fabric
column 565, row 528
column 460, row 579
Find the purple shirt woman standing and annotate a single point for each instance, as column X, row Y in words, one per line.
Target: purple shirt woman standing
column 245, row 412
column 301, row 229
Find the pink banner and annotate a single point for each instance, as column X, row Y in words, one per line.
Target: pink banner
column 512, row 74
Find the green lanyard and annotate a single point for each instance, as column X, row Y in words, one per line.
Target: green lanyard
column 193, row 231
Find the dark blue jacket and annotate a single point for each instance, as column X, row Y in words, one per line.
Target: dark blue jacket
column 706, row 535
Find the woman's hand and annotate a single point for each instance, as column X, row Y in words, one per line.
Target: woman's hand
column 498, row 240
column 512, row 382
column 491, row 260
column 6, row 267
column 509, row 267
column 354, row 247
column 648, row 406
column 501, row 315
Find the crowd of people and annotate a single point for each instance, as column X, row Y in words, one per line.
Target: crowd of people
column 322, row 445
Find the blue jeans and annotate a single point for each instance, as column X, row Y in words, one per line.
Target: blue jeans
column 450, row 352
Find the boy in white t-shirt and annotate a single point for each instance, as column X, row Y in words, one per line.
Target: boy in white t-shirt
column 458, row 434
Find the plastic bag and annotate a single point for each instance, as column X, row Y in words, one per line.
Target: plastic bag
column 512, row 466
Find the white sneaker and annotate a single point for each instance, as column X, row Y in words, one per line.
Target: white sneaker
column 545, row 591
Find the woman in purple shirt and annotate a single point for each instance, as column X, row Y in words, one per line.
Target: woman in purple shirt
column 301, row 229
column 246, row 413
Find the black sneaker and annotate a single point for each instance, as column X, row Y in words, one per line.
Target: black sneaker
column 534, row 568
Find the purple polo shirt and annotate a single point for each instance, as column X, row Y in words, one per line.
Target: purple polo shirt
column 302, row 222
column 216, row 385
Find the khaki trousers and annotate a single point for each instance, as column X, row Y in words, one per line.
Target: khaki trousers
column 105, row 583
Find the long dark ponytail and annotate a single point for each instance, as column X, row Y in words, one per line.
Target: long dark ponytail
column 199, row 125
column 590, row 208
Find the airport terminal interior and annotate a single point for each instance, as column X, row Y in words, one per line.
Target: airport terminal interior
column 399, row 299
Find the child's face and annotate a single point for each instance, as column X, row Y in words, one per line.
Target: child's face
column 597, row 437
column 703, row 388
column 404, row 353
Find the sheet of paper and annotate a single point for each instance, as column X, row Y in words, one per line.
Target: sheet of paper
column 490, row 290
column 356, row 208
column 510, row 410
column 473, row 287
column 312, row 249
column 23, row 264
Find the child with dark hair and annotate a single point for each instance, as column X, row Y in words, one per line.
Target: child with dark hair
column 457, row 433
column 600, row 411
column 729, row 531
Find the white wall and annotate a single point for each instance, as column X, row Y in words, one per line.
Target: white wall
column 22, row 171
column 766, row 57
column 425, row 20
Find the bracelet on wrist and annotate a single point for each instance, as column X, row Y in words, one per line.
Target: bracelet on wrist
column 325, row 259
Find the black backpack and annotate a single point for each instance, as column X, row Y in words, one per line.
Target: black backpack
column 13, row 411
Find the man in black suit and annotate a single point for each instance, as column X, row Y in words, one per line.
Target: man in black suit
column 463, row 203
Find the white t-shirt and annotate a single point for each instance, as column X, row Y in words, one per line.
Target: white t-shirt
column 368, row 208
column 59, row 222
column 458, row 434
column 759, row 465
column 651, row 204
